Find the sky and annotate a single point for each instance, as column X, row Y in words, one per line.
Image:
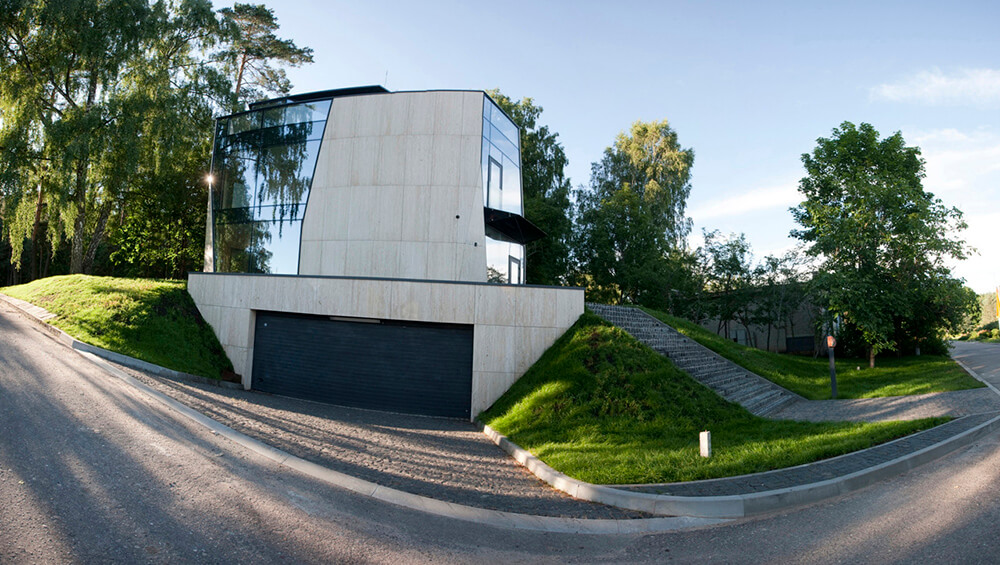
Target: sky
column 749, row 86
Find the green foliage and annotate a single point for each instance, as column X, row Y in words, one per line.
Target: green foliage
column 253, row 48
column 810, row 377
column 603, row 408
column 757, row 295
column 730, row 279
column 884, row 241
column 64, row 110
column 152, row 320
column 107, row 126
column 546, row 191
column 987, row 311
column 99, row 97
column 631, row 225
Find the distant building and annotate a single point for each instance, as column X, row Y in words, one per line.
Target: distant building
column 352, row 239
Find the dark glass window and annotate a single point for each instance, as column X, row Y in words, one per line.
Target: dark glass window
column 501, row 160
column 263, row 163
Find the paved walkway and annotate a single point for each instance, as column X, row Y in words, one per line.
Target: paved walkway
column 955, row 403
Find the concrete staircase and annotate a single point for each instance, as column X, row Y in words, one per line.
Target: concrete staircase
column 730, row 381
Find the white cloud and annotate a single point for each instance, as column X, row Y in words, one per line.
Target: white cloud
column 754, row 200
column 977, row 87
column 963, row 165
column 981, row 271
column 963, row 169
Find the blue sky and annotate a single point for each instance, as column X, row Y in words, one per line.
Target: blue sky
column 748, row 85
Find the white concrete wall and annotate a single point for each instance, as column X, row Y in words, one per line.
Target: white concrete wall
column 513, row 324
column 397, row 190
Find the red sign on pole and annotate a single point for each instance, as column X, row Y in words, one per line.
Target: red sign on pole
column 830, row 342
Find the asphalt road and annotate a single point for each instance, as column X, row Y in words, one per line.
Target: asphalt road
column 983, row 358
column 93, row 471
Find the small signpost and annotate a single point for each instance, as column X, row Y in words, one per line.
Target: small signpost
column 830, row 344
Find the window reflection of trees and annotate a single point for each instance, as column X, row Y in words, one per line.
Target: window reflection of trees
column 264, row 166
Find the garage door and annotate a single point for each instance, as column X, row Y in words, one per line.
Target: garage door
column 395, row 366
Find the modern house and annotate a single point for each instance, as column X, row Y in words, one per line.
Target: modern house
column 367, row 248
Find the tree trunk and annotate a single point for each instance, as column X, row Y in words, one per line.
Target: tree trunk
column 96, row 239
column 239, row 82
column 80, row 222
column 871, row 358
column 35, row 247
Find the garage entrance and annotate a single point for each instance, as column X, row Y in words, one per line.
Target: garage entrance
column 405, row 367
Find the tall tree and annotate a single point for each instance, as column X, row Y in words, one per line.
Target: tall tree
column 730, row 280
column 99, row 100
column 253, row 51
column 546, row 191
column 883, row 240
column 782, row 291
column 632, row 233
column 160, row 229
column 64, row 119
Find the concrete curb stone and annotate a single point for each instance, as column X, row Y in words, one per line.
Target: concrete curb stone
column 42, row 315
column 739, row 505
column 494, row 518
column 678, row 511
column 975, row 375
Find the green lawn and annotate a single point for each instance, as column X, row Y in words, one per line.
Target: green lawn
column 152, row 320
column 601, row 407
column 809, row 377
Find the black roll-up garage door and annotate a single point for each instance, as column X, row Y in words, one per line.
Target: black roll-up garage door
column 396, row 366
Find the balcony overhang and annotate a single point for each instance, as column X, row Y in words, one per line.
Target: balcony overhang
column 512, row 226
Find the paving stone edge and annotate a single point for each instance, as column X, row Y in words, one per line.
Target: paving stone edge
column 742, row 505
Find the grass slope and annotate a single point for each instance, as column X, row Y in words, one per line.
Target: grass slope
column 601, row 407
column 892, row 376
column 152, row 320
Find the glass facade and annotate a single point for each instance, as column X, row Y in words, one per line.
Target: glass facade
column 262, row 166
column 501, row 191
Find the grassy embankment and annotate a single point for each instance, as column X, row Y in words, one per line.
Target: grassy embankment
column 603, row 408
column 152, row 320
column 892, row 376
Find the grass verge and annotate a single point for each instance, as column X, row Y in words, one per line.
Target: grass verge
column 152, row 320
column 809, row 377
column 603, row 408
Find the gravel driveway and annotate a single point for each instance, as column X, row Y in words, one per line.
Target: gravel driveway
column 445, row 459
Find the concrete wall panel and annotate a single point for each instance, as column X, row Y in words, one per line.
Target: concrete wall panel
column 504, row 345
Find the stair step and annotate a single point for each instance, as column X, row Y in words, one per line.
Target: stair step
column 732, row 382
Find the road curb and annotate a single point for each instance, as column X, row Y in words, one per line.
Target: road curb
column 496, row 518
column 743, row 505
column 41, row 315
column 974, row 374
column 407, row 500
column 676, row 512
